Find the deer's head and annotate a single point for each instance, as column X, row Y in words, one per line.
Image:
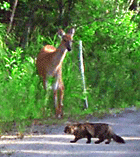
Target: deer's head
column 67, row 39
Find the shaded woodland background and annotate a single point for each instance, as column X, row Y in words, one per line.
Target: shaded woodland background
column 110, row 31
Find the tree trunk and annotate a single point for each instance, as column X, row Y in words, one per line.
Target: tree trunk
column 26, row 33
column 12, row 16
column 61, row 12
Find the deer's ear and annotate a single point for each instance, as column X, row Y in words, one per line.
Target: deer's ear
column 61, row 33
column 71, row 31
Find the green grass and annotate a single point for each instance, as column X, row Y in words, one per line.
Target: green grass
column 111, row 73
column 23, row 97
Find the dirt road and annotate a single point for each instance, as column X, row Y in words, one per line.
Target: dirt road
column 56, row 144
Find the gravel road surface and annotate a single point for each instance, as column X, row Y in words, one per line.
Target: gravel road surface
column 54, row 143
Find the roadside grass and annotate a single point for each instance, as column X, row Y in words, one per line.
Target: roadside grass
column 111, row 73
column 25, row 126
column 23, row 99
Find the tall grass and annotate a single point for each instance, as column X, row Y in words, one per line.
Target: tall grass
column 112, row 77
column 22, row 94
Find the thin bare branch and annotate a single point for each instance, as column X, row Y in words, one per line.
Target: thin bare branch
column 12, row 16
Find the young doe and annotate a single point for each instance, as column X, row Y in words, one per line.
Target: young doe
column 49, row 63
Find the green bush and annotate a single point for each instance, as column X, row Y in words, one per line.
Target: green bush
column 111, row 40
column 112, row 61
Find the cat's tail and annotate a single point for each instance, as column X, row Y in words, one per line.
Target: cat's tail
column 118, row 139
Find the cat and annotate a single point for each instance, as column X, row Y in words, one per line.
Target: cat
column 101, row 131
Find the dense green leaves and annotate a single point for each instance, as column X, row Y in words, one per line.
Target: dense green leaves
column 4, row 5
column 111, row 41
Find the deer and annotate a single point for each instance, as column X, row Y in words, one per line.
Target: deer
column 49, row 64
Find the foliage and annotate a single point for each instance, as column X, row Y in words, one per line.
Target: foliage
column 4, row 5
column 111, row 41
column 112, row 59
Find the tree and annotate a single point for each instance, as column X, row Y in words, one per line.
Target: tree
column 12, row 16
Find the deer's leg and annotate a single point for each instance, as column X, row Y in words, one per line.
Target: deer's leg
column 58, row 98
column 55, row 98
column 61, row 93
column 55, row 92
column 60, row 102
column 58, row 93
